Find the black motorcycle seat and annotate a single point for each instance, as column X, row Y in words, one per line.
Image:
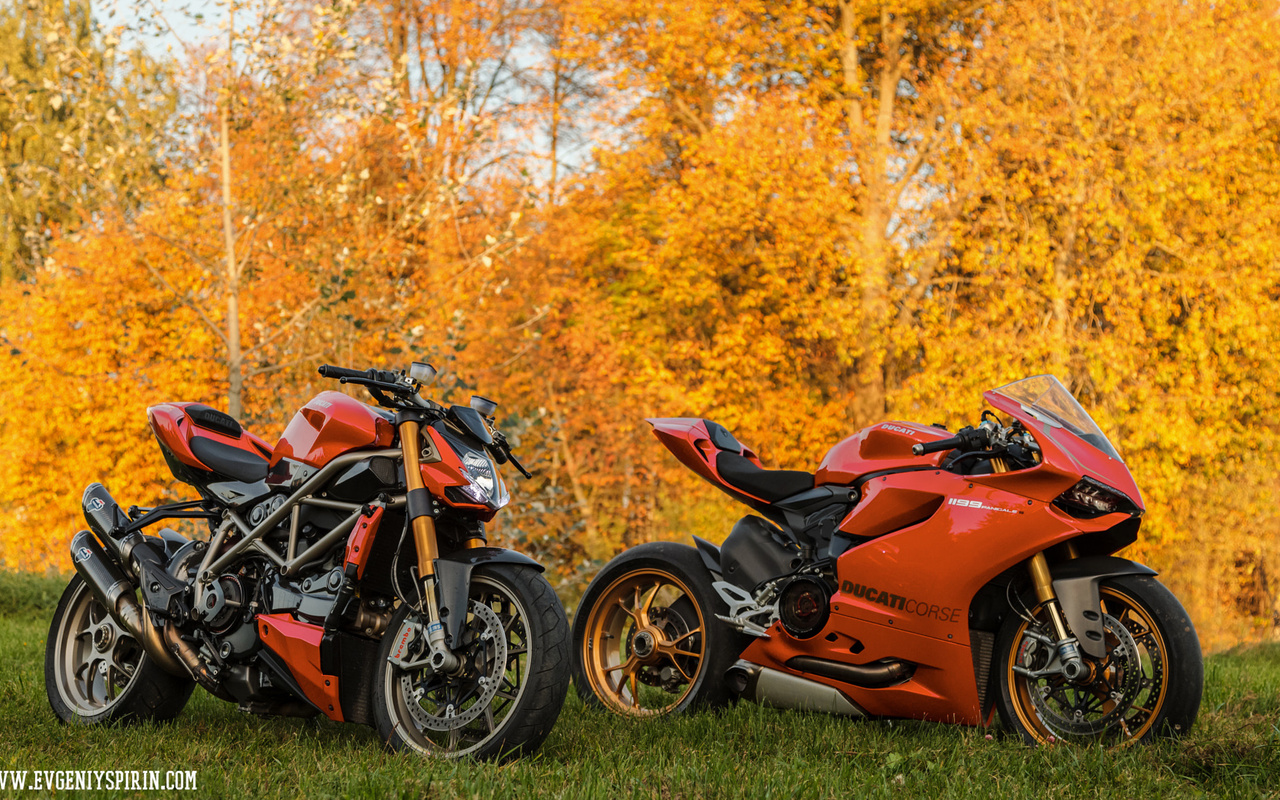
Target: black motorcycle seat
column 230, row 461
column 770, row 485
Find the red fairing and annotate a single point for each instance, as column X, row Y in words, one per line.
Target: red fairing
column 688, row 440
column 906, row 594
column 174, row 430
column 298, row 644
column 330, row 425
column 440, row 475
column 1066, row 458
column 877, row 448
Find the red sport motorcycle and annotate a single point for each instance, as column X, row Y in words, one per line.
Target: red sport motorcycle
column 918, row 574
column 346, row 574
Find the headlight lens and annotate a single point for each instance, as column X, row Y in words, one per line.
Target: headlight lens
column 486, row 485
column 1088, row 499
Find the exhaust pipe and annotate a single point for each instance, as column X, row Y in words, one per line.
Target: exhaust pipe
column 118, row 594
column 868, row 676
column 771, row 687
column 131, row 551
column 195, row 668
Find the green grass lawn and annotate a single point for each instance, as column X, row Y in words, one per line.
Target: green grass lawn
column 749, row 751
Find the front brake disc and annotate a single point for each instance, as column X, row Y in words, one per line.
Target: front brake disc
column 484, row 657
column 1074, row 709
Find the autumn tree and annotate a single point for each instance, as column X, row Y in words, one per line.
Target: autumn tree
column 80, row 116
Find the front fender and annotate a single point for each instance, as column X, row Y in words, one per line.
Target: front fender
column 1075, row 582
column 453, row 580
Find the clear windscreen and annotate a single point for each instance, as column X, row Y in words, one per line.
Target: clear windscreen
column 1046, row 397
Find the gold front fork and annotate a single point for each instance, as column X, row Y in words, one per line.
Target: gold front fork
column 424, row 527
column 422, row 519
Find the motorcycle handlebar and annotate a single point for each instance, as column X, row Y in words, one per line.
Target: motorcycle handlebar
column 968, row 438
column 330, row 371
column 358, row 376
column 938, row 446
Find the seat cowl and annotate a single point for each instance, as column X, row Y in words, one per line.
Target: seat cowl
column 212, row 419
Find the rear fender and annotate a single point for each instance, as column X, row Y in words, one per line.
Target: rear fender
column 453, row 582
column 1075, row 582
column 710, row 555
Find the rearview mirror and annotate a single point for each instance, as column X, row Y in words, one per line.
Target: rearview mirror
column 484, row 405
column 422, row 372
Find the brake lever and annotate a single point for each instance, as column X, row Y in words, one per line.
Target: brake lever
column 515, row 462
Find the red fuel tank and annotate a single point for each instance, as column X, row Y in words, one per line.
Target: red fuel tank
column 886, row 445
column 329, row 425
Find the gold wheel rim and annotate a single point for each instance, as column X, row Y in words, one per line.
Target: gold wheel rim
column 1138, row 621
column 635, row 637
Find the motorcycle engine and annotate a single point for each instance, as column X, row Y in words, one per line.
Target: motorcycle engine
column 804, row 604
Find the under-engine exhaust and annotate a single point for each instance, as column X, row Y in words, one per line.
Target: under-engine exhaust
column 869, row 676
column 119, row 595
column 778, row 689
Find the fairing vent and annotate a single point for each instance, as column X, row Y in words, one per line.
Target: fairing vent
column 982, row 644
column 353, row 659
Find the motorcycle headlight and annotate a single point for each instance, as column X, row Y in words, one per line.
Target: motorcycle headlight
column 1088, row 499
column 486, row 484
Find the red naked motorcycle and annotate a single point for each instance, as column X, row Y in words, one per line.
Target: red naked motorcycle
column 917, row 574
column 346, row 573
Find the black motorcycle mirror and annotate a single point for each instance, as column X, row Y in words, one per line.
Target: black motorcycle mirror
column 484, row 405
column 422, row 372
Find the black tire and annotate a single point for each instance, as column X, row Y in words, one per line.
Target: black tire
column 1156, row 688
column 607, row 637
column 96, row 672
column 516, row 718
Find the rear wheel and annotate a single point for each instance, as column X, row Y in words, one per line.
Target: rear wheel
column 95, row 671
column 1148, row 683
column 506, row 695
column 646, row 640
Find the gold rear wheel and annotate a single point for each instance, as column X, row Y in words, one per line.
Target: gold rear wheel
column 644, row 648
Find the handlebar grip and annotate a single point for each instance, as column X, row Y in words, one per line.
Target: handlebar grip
column 330, row 371
column 938, row 446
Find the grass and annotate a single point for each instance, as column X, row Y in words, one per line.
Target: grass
column 748, row 751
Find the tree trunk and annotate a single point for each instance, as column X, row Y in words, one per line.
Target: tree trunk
column 234, row 357
column 871, row 242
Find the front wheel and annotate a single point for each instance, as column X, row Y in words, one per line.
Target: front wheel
column 507, row 693
column 1148, row 683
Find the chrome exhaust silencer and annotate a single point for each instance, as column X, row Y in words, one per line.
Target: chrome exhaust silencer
column 771, row 687
column 119, row 595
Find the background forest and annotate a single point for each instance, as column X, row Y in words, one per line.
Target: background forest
column 795, row 218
